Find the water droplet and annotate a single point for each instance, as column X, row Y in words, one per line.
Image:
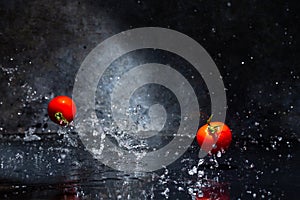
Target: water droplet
column 200, row 173
column 201, row 161
column 192, row 171
column 166, row 193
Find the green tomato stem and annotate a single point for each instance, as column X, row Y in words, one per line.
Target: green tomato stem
column 211, row 129
column 60, row 117
column 209, row 119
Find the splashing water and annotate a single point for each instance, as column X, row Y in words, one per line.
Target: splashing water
column 29, row 135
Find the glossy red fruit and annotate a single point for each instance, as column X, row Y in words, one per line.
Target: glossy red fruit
column 62, row 110
column 214, row 137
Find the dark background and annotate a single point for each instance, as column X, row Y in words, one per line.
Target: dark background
column 255, row 45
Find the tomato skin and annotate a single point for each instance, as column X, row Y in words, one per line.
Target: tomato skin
column 221, row 139
column 64, row 105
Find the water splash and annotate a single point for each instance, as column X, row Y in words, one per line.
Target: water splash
column 30, row 136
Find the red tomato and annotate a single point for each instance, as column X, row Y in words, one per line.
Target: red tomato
column 214, row 137
column 62, row 110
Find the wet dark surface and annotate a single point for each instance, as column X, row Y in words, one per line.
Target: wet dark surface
column 255, row 46
column 58, row 167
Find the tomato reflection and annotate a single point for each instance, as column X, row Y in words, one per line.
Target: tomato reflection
column 215, row 191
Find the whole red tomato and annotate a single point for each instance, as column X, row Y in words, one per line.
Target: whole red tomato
column 214, row 137
column 62, row 110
